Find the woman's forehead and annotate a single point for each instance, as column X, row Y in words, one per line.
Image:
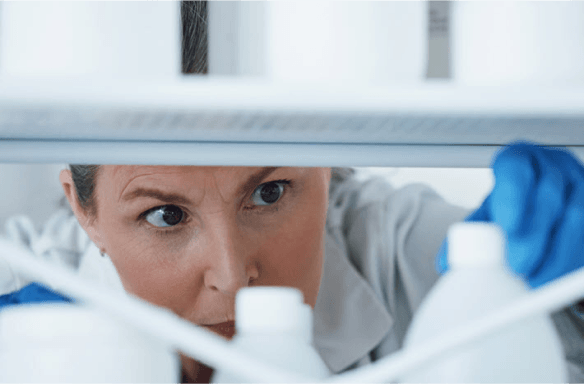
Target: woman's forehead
column 120, row 180
column 119, row 176
column 126, row 172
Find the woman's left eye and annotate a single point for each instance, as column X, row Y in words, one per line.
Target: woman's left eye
column 269, row 193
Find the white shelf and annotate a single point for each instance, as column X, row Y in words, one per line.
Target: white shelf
column 459, row 126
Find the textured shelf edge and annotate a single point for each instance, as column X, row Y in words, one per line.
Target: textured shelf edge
column 248, row 110
column 159, row 124
column 249, row 154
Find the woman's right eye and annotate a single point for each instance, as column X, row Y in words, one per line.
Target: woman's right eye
column 269, row 193
column 165, row 216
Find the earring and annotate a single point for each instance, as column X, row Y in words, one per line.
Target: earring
column 102, row 252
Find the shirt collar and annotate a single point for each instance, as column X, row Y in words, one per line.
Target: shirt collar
column 349, row 319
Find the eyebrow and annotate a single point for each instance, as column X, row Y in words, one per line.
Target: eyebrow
column 171, row 198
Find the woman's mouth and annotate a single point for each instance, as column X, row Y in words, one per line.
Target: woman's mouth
column 225, row 329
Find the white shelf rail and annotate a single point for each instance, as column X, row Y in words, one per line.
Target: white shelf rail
column 227, row 121
column 250, row 154
column 243, row 154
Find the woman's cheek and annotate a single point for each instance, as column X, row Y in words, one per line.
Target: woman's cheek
column 293, row 255
column 148, row 263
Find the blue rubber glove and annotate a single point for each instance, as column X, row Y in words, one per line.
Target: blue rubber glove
column 32, row 293
column 538, row 200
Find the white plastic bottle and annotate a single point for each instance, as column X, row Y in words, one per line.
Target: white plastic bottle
column 478, row 283
column 274, row 324
column 70, row 343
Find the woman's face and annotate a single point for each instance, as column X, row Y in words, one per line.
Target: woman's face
column 188, row 238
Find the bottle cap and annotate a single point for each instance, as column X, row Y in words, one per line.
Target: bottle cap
column 270, row 309
column 476, row 245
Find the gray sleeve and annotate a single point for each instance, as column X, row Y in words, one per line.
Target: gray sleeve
column 571, row 330
column 393, row 239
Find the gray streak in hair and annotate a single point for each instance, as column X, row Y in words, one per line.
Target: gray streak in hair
column 194, row 36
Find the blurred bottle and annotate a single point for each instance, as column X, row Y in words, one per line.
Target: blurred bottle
column 518, row 43
column 91, row 40
column 478, row 283
column 65, row 343
column 274, row 324
column 336, row 42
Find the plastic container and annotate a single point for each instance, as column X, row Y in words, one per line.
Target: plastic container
column 478, row 283
column 332, row 42
column 274, row 324
column 361, row 42
column 104, row 40
column 518, row 43
column 62, row 343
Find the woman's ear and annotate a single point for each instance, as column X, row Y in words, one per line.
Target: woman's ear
column 85, row 218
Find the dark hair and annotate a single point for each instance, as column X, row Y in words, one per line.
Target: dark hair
column 84, row 177
column 194, row 18
column 194, row 60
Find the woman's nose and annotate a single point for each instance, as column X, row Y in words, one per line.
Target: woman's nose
column 231, row 266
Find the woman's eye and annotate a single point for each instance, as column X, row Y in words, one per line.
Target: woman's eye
column 165, row 216
column 268, row 193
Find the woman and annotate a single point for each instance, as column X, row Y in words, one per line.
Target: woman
column 187, row 238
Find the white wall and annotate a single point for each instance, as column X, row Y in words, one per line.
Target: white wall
column 30, row 189
column 466, row 187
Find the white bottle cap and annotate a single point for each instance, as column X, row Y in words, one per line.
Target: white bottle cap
column 476, row 245
column 270, row 309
